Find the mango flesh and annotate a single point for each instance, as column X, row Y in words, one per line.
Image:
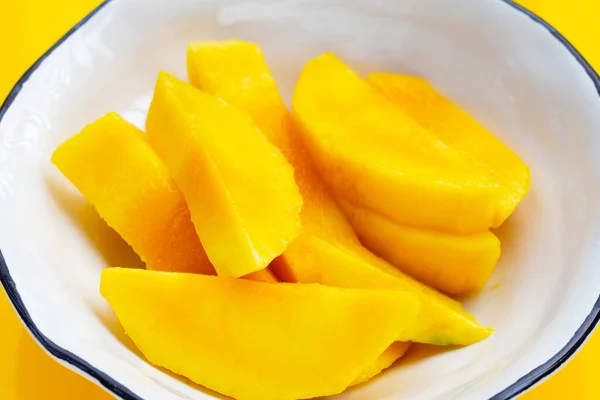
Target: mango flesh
column 453, row 264
column 236, row 72
column 375, row 155
column 254, row 340
column 321, row 254
column 461, row 132
column 264, row 275
column 442, row 321
column 112, row 164
column 385, row 360
column 240, row 189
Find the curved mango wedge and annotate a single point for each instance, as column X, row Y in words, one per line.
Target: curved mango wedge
column 442, row 320
column 254, row 340
column 385, row 360
column 373, row 154
column 117, row 171
column 454, row 264
column 238, row 72
column 247, row 203
column 461, row 132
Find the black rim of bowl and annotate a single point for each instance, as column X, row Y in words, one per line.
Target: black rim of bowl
column 117, row 388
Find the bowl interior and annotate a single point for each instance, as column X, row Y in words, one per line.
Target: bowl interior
column 508, row 71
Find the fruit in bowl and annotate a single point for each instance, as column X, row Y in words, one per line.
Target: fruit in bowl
column 503, row 67
column 347, row 219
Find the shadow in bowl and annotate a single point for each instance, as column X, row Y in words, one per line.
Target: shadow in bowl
column 418, row 352
column 109, row 244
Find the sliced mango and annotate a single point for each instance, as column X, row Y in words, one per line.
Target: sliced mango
column 461, row 132
column 454, row 264
column 442, row 320
column 236, row 71
column 385, row 360
column 264, row 275
column 118, row 172
column 375, row 155
column 254, row 340
column 240, row 189
column 327, row 251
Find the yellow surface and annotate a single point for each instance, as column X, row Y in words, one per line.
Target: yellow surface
column 29, row 27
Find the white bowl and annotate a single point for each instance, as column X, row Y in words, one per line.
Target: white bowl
column 507, row 67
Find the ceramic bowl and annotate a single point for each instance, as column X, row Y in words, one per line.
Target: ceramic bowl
column 507, row 67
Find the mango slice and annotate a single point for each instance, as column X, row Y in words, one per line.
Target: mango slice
column 442, row 320
column 454, row 264
column 237, row 71
column 385, row 360
column 373, row 154
column 254, row 340
column 112, row 164
column 461, row 132
column 240, row 189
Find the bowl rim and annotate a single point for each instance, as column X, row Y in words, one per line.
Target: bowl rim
column 117, row 388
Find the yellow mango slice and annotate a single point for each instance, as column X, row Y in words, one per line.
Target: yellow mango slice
column 240, row 189
column 442, row 320
column 118, row 172
column 254, row 340
column 385, row 360
column 375, row 155
column 454, row 264
column 461, row 132
column 237, row 72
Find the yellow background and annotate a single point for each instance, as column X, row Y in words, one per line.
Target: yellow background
column 29, row 27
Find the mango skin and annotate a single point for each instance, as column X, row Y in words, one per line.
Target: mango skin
column 255, row 340
column 112, row 164
column 454, row 264
column 239, row 187
column 461, row 132
column 375, row 155
column 328, row 251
